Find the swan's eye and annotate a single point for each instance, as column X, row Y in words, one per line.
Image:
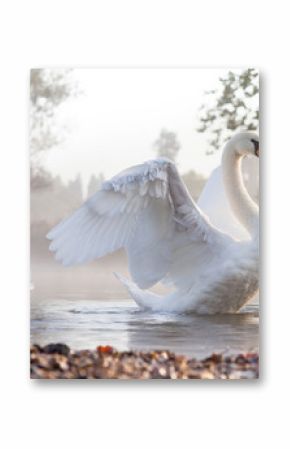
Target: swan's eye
column 256, row 145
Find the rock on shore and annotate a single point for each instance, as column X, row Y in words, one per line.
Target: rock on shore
column 58, row 361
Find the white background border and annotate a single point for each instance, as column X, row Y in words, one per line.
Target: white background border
column 155, row 414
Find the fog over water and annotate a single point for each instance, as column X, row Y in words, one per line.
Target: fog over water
column 86, row 307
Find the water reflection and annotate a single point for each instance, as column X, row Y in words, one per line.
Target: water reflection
column 198, row 335
column 86, row 324
column 78, row 306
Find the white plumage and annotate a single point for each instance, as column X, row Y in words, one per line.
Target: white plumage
column 147, row 210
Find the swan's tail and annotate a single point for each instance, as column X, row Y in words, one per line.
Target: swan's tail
column 144, row 298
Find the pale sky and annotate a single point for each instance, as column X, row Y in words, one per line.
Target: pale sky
column 119, row 116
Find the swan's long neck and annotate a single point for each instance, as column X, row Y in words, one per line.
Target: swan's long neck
column 244, row 208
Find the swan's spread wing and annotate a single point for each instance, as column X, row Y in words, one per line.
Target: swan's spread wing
column 145, row 209
column 213, row 201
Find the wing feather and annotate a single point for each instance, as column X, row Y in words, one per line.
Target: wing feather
column 147, row 210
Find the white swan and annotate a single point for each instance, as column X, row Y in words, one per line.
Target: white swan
column 147, row 210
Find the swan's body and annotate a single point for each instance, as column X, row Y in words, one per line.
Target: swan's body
column 147, row 210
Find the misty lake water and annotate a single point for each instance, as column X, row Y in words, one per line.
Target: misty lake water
column 62, row 313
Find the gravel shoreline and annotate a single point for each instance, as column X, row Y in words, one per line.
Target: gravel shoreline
column 58, row 361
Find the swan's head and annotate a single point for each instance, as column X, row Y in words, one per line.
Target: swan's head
column 245, row 143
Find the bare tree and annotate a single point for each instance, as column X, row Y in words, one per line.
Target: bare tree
column 167, row 145
column 49, row 88
column 233, row 105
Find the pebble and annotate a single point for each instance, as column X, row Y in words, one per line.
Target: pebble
column 58, row 361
